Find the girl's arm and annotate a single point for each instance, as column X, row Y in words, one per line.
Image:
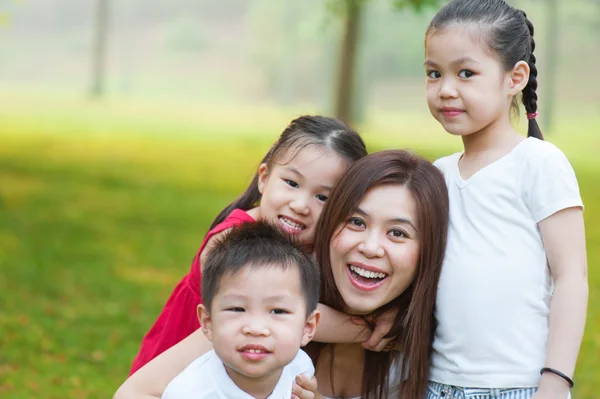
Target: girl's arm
column 564, row 241
column 337, row 327
column 151, row 380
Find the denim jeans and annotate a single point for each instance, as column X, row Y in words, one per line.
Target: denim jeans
column 442, row 391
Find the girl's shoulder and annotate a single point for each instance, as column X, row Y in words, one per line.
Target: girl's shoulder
column 449, row 161
column 534, row 149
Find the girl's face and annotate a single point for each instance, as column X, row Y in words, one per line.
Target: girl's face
column 374, row 255
column 296, row 186
column 468, row 89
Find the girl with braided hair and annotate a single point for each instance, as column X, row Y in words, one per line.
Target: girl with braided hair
column 513, row 291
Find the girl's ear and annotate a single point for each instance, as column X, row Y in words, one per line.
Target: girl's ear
column 310, row 328
column 263, row 176
column 205, row 321
column 519, row 77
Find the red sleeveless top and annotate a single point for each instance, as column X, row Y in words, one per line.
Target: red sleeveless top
column 178, row 318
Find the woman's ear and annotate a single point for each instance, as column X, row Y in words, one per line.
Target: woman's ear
column 263, row 176
column 519, row 77
column 205, row 321
column 310, row 328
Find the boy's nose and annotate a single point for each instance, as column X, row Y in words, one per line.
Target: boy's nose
column 255, row 327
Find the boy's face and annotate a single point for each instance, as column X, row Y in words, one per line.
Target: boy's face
column 258, row 322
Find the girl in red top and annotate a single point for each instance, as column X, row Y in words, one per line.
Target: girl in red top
column 290, row 188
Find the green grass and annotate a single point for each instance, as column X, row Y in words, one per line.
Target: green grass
column 102, row 207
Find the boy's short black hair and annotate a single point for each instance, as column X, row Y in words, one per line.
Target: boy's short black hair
column 259, row 244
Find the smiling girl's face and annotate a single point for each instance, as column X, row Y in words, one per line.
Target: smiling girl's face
column 374, row 255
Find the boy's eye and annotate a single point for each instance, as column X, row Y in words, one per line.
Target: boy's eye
column 291, row 183
column 236, row 309
column 321, row 197
column 279, row 311
column 465, row 74
column 434, row 74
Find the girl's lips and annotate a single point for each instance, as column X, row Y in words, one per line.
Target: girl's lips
column 451, row 112
column 291, row 225
column 363, row 283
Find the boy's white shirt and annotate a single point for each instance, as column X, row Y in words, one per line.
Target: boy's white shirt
column 206, row 378
column 494, row 293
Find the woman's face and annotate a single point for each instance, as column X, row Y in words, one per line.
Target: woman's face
column 374, row 254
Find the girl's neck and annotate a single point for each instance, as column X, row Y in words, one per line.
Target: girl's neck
column 254, row 212
column 497, row 138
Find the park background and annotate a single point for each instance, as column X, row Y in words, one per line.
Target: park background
column 125, row 126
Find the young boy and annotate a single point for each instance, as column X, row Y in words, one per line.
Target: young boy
column 260, row 294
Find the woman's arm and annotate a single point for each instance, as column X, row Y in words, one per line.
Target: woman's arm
column 151, row 380
column 564, row 241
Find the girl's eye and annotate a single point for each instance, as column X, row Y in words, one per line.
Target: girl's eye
column 434, row 75
column 321, row 197
column 397, row 233
column 279, row 311
column 465, row 74
column 236, row 309
column 291, row 183
column 356, row 222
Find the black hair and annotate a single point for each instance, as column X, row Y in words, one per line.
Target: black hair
column 330, row 133
column 508, row 33
column 258, row 245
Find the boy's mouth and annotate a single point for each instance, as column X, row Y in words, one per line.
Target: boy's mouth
column 254, row 352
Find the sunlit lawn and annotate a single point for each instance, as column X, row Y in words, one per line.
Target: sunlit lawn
column 102, row 207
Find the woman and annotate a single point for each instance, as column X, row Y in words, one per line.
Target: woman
column 380, row 243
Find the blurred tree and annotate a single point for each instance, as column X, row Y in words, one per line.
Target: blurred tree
column 552, row 59
column 352, row 13
column 99, row 52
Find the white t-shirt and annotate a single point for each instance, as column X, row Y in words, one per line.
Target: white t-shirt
column 206, row 378
column 493, row 299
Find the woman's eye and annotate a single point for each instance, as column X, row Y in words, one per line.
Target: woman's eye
column 465, row 74
column 279, row 311
column 434, row 74
column 356, row 222
column 291, row 183
column 396, row 233
column 321, row 197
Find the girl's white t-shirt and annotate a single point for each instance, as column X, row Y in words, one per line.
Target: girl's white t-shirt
column 493, row 299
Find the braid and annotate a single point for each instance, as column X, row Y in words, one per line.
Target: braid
column 529, row 92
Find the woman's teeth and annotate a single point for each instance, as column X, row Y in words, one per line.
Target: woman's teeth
column 366, row 273
column 291, row 224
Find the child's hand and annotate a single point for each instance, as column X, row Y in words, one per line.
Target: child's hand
column 305, row 388
column 383, row 325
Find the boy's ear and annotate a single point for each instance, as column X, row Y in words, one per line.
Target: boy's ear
column 205, row 321
column 519, row 77
column 310, row 328
column 263, row 176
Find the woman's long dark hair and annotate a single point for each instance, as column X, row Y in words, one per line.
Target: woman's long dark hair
column 415, row 322
column 328, row 132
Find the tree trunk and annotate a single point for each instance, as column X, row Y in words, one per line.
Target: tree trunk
column 552, row 38
column 97, row 86
column 347, row 62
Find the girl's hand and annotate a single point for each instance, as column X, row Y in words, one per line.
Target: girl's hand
column 305, row 388
column 383, row 325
